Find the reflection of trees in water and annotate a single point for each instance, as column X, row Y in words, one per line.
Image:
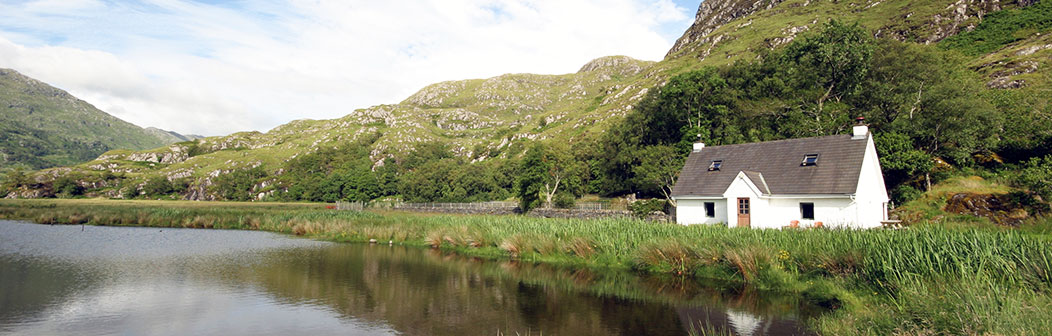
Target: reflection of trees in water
column 431, row 292
column 417, row 291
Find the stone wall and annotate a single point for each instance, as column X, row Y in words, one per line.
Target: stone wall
column 542, row 213
column 465, row 211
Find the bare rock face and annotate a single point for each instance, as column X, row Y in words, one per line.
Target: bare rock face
column 998, row 208
column 713, row 14
column 624, row 65
column 1033, row 49
column 1002, row 79
column 174, row 154
column 1005, row 83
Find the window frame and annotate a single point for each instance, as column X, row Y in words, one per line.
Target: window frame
column 715, row 165
column 803, row 212
column 710, row 209
column 813, row 160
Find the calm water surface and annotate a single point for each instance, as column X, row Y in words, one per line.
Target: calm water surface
column 65, row 280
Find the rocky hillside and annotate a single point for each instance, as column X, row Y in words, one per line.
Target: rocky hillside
column 726, row 30
column 731, row 29
column 479, row 119
column 42, row 126
column 482, row 119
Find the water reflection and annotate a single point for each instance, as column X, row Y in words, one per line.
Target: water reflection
column 59, row 280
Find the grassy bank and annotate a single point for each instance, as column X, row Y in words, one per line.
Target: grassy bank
column 925, row 280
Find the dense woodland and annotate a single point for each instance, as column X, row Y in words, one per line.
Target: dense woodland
column 931, row 114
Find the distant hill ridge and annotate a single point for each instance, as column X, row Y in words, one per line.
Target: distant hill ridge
column 42, row 126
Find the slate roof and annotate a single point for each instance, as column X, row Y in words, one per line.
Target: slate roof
column 758, row 179
column 774, row 166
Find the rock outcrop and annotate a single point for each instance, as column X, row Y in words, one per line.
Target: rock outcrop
column 997, row 208
column 713, row 14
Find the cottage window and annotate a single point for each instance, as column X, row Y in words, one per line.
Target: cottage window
column 710, row 209
column 810, row 160
column 715, row 165
column 807, row 211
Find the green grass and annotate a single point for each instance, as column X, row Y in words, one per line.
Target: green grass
column 1002, row 28
column 876, row 281
column 929, row 207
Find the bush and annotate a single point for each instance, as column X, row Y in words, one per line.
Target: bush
column 157, row 186
column 67, row 186
column 564, row 201
column 905, row 193
column 643, row 208
column 1028, row 201
column 13, row 180
column 1037, row 176
column 238, row 185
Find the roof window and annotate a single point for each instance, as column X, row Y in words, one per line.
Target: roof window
column 715, row 165
column 810, row 160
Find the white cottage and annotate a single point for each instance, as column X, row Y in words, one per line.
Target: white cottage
column 835, row 180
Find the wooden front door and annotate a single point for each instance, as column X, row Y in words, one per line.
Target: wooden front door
column 743, row 212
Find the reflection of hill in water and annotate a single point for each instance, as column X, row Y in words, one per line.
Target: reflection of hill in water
column 55, row 278
column 29, row 288
column 422, row 292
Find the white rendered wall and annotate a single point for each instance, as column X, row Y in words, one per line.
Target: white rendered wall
column 871, row 196
column 832, row 212
column 743, row 187
column 692, row 211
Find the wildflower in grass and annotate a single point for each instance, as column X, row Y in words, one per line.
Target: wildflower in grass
column 783, row 255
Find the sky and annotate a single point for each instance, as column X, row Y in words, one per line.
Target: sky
column 212, row 67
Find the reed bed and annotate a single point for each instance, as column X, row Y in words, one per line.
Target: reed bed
column 924, row 280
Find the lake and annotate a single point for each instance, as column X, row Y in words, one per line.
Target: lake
column 92, row 280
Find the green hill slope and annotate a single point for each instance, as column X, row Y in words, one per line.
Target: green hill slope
column 42, row 126
column 480, row 120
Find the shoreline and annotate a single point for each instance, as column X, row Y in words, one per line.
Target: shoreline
column 874, row 282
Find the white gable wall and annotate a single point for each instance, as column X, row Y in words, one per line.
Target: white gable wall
column 871, row 196
column 744, row 187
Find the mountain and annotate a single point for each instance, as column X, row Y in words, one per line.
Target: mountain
column 478, row 119
column 729, row 30
column 170, row 136
column 42, row 126
column 483, row 119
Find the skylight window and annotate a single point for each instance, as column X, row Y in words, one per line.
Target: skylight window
column 810, row 160
column 715, row 165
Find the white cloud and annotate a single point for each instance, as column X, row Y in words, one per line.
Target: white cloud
column 197, row 68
